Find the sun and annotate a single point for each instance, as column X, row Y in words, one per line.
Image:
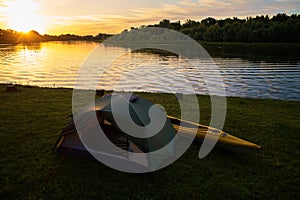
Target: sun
column 23, row 15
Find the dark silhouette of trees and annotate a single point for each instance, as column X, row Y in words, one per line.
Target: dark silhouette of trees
column 279, row 28
column 14, row 37
column 8, row 36
column 209, row 21
column 101, row 36
column 31, row 36
column 175, row 25
column 165, row 23
column 190, row 23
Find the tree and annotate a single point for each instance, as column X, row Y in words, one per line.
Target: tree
column 209, row 21
column 280, row 17
column 175, row 25
column 190, row 24
column 165, row 23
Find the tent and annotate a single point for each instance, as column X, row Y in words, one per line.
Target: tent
column 117, row 129
column 109, row 112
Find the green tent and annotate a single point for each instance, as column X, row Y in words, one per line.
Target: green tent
column 110, row 111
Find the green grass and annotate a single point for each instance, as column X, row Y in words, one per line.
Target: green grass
column 32, row 118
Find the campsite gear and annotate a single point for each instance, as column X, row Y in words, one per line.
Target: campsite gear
column 225, row 140
column 70, row 142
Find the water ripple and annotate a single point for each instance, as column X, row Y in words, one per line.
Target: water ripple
column 55, row 64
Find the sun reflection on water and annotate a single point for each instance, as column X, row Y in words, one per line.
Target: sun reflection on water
column 57, row 63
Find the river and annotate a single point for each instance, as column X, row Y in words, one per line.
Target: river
column 252, row 71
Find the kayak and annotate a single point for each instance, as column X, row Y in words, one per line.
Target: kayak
column 224, row 140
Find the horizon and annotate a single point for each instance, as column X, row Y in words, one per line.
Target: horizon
column 128, row 28
column 93, row 17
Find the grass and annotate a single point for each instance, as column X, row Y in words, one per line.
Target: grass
column 32, row 118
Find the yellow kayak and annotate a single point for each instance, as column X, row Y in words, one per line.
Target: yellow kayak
column 225, row 140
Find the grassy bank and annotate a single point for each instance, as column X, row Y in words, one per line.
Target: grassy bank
column 32, row 118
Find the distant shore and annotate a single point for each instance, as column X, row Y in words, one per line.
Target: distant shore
column 278, row 28
column 199, row 41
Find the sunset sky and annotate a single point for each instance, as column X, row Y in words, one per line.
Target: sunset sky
column 112, row 16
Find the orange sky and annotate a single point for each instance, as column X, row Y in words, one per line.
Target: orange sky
column 113, row 16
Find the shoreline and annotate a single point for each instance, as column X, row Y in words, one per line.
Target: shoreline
column 145, row 92
column 199, row 41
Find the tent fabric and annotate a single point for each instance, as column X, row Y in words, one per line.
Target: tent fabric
column 139, row 113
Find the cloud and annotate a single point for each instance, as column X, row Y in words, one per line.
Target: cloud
column 219, row 9
column 3, row 8
column 198, row 10
column 62, row 15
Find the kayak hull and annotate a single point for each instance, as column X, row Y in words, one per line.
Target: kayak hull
column 224, row 140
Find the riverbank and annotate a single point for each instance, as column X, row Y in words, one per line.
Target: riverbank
column 32, row 117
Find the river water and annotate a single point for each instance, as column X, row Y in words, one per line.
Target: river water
column 56, row 64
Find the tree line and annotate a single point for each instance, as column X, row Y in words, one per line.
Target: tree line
column 279, row 28
column 14, row 37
